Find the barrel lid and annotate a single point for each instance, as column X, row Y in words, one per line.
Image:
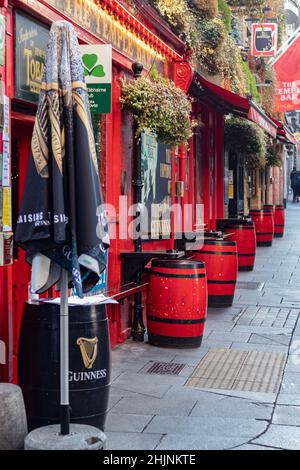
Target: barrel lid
column 254, row 210
column 219, row 243
column 267, row 209
column 177, row 264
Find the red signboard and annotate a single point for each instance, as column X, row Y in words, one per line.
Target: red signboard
column 264, row 39
column 287, row 69
column 262, row 120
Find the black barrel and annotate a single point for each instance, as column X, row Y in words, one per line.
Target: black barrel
column 39, row 364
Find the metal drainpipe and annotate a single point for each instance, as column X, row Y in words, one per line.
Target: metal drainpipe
column 138, row 328
column 182, row 176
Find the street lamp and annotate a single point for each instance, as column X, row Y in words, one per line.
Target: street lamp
column 138, row 328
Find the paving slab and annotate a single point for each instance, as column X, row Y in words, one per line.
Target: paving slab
column 289, row 415
column 230, row 337
column 291, row 383
column 214, row 427
column 260, row 347
column 270, row 339
column 127, row 423
column 131, row 441
column 254, row 447
column 288, row 399
column 167, row 406
column 284, row 437
column 233, row 408
column 154, row 390
column 293, row 363
column 194, row 442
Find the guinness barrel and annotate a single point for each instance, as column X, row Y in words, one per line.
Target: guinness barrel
column 220, row 258
column 243, row 233
column 89, row 369
column 177, row 303
column 279, row 221
column 264, row 225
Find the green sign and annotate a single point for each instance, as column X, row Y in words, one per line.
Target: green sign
column 100, row 98
column 97, row 63
column 31, row 39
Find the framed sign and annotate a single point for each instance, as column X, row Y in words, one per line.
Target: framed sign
column 97, row 63
column 31, row 39
column 264, row 37
column 156, row 192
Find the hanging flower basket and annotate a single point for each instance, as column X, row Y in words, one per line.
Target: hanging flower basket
column 160, row 107
column 247, row 140
column 274, row 155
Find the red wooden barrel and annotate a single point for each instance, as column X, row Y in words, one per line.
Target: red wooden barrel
column 269, row 206
column 279, row 221
column 177, row 303
column 264, row 226
column 243, row 233
column 220, row 258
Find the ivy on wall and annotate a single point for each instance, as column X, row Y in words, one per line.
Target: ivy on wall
column 206, row 28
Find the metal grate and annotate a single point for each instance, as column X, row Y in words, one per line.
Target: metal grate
column 166, row 368
column 229, row 369
column 250, row 285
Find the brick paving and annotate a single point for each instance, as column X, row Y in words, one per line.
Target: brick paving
column 160, row 411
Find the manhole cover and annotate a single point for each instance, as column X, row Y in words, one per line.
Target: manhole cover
column 229, row 369
column 250, row 285
column 165, row 368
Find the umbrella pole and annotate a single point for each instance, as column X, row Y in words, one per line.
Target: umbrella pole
column 64, row 356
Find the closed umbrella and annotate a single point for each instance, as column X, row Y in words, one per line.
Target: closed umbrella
column 61, row 223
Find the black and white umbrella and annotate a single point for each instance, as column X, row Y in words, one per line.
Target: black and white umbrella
column 62, row 224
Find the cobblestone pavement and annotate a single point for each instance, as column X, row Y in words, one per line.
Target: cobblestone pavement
column 154, row 411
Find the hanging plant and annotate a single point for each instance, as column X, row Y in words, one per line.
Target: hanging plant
column 206, row 8
column 246, row 139
column 274, row 155
column 250, row 6
column 160, row 107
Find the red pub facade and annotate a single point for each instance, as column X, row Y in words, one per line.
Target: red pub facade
column 192, row 173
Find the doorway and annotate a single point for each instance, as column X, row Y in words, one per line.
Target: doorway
column 21, row 140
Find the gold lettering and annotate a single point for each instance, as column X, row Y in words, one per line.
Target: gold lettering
column 28, row 55
column 99, row 22
column 68, row 7
column 78, row 10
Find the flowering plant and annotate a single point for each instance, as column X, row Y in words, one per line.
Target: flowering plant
column 158, row 106
column 246, row 139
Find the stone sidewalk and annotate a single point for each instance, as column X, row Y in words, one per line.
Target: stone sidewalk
column 260, row 408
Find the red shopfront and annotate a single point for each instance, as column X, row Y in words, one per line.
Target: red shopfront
column 211, row 186
column 144, row 40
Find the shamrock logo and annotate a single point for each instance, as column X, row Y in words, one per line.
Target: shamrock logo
column 90, row 66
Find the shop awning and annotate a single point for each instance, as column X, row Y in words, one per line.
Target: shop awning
column 235, row 104
column 284, row 134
